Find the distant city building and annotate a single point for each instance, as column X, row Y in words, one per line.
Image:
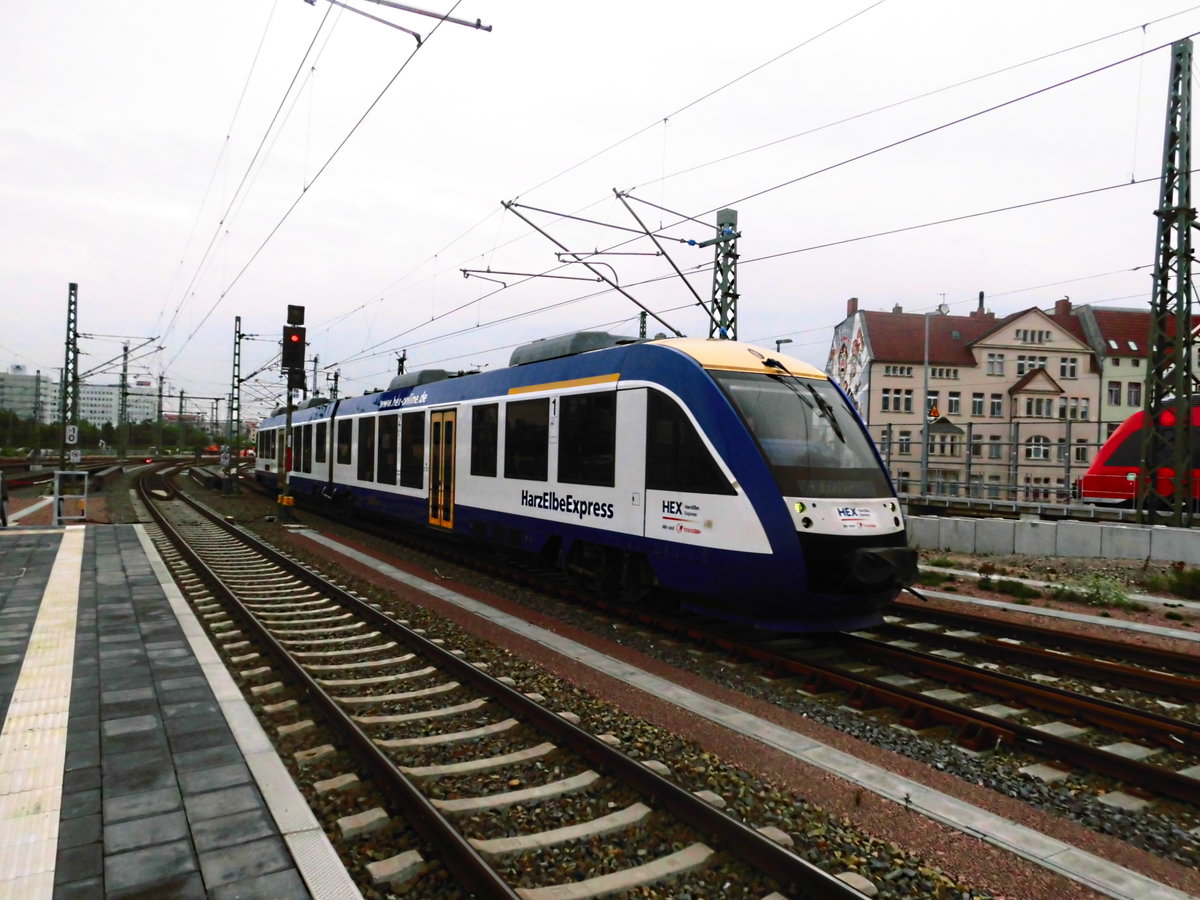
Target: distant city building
column 31, row 395
column 100, row 404
column 1015, row 406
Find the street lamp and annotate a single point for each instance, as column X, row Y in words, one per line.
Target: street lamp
column 942, row 310
column 780, row 342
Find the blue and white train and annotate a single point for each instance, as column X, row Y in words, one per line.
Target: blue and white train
column 739, row 480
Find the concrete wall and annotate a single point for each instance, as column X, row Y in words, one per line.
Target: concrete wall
column 1033, row 537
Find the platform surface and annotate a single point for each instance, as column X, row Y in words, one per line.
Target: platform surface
column 130, row 766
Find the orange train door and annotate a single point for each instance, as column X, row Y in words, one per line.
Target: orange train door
column 441, row 468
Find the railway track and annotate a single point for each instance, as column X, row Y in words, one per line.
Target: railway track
column 1141, row 749
column 492, row 780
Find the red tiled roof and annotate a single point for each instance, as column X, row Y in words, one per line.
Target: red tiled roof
column 900, row 337
column 1124, row 326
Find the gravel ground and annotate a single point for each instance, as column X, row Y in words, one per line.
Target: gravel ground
column 923, row 848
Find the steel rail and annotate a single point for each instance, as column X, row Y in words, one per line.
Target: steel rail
column 770, row 858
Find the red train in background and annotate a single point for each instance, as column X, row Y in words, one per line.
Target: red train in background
column 1111, row 480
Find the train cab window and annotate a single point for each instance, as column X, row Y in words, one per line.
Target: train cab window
column 412, row 449
column 526, row 439
column 484, row 436
column 587, row 439
column 343, row 442
column 366, row 449
column 386, row 459
column 322, row 440
column 808, row 434
column 676, row 457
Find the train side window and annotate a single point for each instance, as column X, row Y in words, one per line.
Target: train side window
column 386, row 461
column 676, row 458
column 484, row 434
column 366, row 449
column 322, row 441
column 412, row 449
column 343, row 442
column 587, row 439
column 526, row 439
column 305, row 448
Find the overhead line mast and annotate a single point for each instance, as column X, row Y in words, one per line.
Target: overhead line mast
column 1164, row 489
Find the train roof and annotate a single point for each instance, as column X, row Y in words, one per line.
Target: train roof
column 639, row 359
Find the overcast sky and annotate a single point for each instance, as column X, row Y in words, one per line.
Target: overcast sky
column 186, row 163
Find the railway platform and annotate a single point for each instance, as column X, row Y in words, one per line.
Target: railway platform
column 130, row 765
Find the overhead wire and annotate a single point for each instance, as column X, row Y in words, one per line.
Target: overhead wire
column 233, row 199
column 891, row 145
column 745, row 261
column 1142, row 55
column 325, row 165
column 217, row 162
column 926, row 94
column 382, row 294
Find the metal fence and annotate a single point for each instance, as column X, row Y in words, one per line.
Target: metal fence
column 1025, row 461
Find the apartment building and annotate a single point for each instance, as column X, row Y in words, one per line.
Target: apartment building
column 1009, row 407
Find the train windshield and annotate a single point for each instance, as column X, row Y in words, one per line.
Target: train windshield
column 809, row 436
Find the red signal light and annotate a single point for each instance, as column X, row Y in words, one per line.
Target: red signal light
column 1167, row 419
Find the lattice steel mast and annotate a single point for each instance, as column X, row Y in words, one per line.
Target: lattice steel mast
column 69, row 405
column 1164, row 490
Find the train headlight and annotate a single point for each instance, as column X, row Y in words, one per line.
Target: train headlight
column 799, row 506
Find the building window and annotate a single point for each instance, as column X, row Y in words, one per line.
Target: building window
column 1039, row 407
column 995, row 447
column 953, row 404
column 1135, row 393
column 943, row 372
column 1081, row 450
column 977, row 404
column 1114, row 393
column 908, row 400
column 977, row 445
column 905, row 443
column 1037, row 447
column 931, row 401
column 1068, row 367
column 898, row 371
column 1032, row 336
column 1061, row 450
column 1029, row 363
column 997, row 405
column 995, row 363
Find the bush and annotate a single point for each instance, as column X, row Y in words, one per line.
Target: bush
column 1185, row 583
column 1095, row 590
column 1008, row 586
column 941, row 562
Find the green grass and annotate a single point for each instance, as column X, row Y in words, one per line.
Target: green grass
column 1017, row 589
column 936, row 579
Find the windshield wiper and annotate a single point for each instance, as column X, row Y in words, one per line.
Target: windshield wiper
column 823, row 406
column 827, row 412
